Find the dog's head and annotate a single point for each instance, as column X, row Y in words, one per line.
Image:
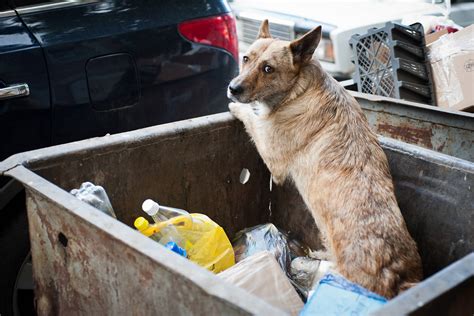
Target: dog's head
column 270, row 67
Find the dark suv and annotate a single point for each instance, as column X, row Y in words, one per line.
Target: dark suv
column 76, row 69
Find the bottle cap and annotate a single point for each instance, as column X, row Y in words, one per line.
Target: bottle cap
column 177, row 249
column 141, row 223
column 150, row 207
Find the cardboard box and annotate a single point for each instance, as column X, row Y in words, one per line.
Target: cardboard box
column 452, row 64
column 432, row 37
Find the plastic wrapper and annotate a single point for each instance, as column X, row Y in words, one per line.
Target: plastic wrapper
column 337, row 296
column 261, row 275
column 96, row 196
column 208, row 245
column 306, row 272
column 259, row 238
column 268, row 237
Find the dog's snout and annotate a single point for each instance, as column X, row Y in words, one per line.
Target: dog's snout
column 236, row 89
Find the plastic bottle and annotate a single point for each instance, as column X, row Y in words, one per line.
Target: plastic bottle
column 143, row 226
column 152, row 209
column 156, row 233
column 96, row 196
column 162, row 213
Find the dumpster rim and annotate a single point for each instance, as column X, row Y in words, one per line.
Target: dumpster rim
column 140, row 137
column 378, row 98
column 418, row 296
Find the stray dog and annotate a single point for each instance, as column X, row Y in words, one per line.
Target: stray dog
column 309, row 128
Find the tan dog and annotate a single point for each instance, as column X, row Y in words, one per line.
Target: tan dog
column 309, row 128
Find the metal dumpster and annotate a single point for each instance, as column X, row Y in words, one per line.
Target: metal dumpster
column 431, row 127
column 85, row 262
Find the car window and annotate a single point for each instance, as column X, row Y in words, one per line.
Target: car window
column 3, row 6
column 40, row 5
column 24, row 3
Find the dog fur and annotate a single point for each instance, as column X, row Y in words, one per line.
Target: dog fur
column 308, row 128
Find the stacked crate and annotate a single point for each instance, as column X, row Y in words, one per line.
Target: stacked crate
column 391, row 61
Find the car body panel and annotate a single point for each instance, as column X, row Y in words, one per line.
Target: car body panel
column 177, row 79
column 25, row 122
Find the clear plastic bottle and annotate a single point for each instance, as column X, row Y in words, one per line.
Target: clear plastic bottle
column 160, row 214
column 143, row 226
column 96, row 196
column 156, row 234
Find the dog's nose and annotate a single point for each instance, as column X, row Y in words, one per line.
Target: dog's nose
column 236, row 89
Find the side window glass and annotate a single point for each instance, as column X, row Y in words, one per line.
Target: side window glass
column 3, row 6
column 26, row 6
column 24, row 3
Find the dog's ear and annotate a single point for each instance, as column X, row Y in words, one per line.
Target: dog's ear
column 304, row 47
column 264, row 31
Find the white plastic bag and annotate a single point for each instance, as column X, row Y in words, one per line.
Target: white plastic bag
column 261, row 275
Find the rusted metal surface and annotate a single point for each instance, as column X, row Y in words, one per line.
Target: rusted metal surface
column 408, row 133
column 88, row 263
column 448, row 132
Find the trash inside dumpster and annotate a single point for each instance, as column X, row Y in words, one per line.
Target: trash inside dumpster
column 306, row 272
column 336, row 296
column 266, row 266
column 263, row 238
column 260, row 274
column 96, row 196
column 194, row 236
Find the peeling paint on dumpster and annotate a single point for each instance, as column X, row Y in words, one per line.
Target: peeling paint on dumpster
column 448, row 132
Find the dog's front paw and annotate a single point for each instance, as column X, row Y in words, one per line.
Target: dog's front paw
column 236, row 109
column 233, row 107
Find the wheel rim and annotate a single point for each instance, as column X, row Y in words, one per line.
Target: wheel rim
column 24, row 288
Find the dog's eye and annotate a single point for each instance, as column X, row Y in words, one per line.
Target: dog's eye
column 245, row 59
column 268, row 69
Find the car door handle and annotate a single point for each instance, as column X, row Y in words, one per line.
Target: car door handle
column 14, row 91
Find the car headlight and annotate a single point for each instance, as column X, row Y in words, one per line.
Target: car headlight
column 325, row 50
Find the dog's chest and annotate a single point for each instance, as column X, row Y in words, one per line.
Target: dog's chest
column 260, row 109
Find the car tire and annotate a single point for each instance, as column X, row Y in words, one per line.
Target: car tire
column 14, row 251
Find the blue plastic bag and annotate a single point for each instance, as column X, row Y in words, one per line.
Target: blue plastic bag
column 337, row 296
